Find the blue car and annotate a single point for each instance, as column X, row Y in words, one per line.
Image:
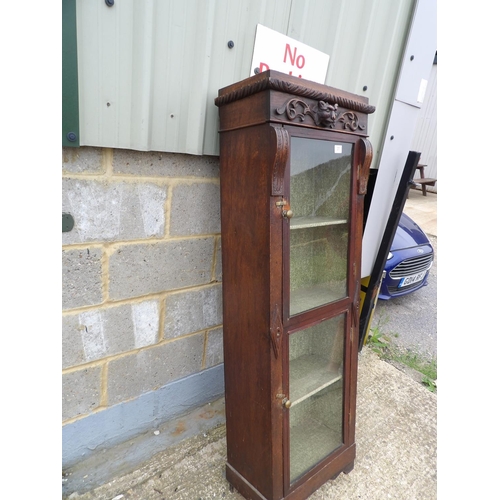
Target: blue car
column 409, row 261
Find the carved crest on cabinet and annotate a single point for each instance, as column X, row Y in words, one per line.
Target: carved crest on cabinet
column 326, row 114
column 323, row 114
column 351, row 121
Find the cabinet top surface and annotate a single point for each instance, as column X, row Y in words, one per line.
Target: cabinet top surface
column 281, row 82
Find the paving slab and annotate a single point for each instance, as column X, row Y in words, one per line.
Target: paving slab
column 396, row 435
column 423, row 210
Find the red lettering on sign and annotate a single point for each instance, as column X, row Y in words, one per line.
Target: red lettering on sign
column 263, row 67
column 301, row 60
column 288, row 51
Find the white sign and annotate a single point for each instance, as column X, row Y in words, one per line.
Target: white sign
column 273, row 50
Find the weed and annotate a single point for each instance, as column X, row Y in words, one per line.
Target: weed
column 429, row 383
column 381, row 344
column 417, row 362
column 378, row 341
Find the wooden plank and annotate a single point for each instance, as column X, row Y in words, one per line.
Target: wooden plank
column 425, row 180
column 307, row 222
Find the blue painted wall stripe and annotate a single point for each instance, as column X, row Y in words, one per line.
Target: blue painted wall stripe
column 124, row 421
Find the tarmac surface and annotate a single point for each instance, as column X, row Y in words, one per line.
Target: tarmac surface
column 396, row 438
column 410, row 321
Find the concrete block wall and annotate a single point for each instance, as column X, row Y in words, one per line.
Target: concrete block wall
column 141, row 291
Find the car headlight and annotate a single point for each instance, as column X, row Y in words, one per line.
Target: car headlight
column 390, row 256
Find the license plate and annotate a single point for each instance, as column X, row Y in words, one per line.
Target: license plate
column 410, row 280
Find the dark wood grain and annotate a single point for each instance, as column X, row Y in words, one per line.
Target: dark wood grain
column 255, row 189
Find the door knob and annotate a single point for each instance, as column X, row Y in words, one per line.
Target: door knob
column 288, row 214
column 286, row 403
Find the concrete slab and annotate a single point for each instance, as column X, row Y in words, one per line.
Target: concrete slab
column 423, row 210
column 396, row 451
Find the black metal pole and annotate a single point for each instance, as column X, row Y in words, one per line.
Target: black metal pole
column 385, row 245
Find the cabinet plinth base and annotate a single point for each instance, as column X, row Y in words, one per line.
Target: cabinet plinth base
column 345, row 461
column 349, row 468
column 242, row 485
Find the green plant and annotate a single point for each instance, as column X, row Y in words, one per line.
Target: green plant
column 380, row 342
column 417, row 362
column 429, row 383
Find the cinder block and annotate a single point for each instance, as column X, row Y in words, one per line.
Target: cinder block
column 195, row 209
column 113, row 211
column 152, row 368
column 73, row 353
column 153, row 164
column 214, row 351
column 81, row 392
column 140, row 269
column 98, row 333
column 191, row 311
column 81, row 277
column 83, row 160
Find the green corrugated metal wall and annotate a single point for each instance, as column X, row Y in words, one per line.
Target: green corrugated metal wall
column 148, row 71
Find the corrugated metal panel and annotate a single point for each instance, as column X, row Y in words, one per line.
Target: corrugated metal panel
column 425, row 138
column 237, row 21
column 149, row 70
column 365, row 40
column 144, row 71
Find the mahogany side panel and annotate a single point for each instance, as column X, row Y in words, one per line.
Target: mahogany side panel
column 252, row 110
column 277, row 171
column 363, row 154
column 246, row 158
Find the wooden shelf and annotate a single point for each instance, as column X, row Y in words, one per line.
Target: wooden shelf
column 305, row 299
column 310, row 374
column 307, row 222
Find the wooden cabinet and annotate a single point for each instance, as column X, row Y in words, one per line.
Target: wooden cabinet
column 294, row 164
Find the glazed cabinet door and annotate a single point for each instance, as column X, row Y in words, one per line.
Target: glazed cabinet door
column 316, row 382
column 318, row 294
column 318, row 232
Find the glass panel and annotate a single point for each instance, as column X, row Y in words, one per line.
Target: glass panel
column 319, row 197
column 316, row 381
